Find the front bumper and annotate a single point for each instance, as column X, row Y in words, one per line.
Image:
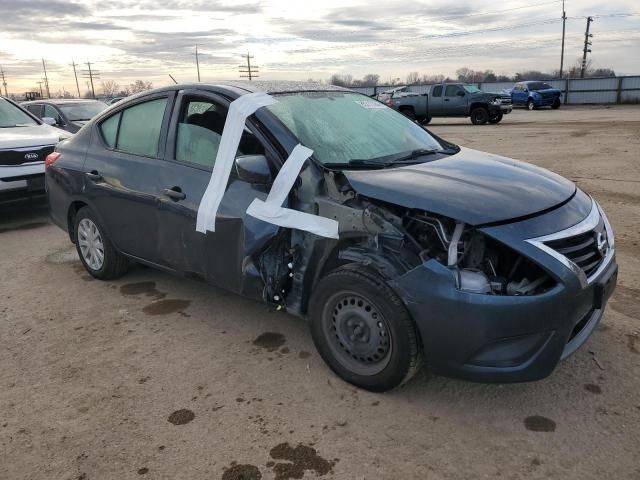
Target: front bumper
column 494, row 338
column 504, row 108
column 503, row 338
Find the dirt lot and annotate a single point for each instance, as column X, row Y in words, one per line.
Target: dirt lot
column 160, row 377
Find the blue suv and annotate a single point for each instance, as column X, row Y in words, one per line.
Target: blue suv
column 535, row 94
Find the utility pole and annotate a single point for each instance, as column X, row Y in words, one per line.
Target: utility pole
column 75, row 73
column 4, row 82
column 251, row 71
column 564, row 22
column 46, row 79
column 586, row 49
column 40, row 85
column 91, row 74
column 197, row 63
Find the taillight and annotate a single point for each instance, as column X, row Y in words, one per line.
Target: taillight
column 51, row 159
column 389, row 103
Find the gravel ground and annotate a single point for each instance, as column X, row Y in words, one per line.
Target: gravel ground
column 160, row 377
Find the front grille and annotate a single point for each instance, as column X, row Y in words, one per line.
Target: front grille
column 24, row 155
column 547, row 95
column 587, row 250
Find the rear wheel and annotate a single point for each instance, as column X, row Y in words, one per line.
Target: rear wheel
column 409, row 113
column 426, row 121
column 479, row 116
column 496, row 117
column 95, row 250
column 556, row 104
column 363, row 331
column 530, row 105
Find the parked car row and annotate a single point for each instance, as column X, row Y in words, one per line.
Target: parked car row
column 398, row 246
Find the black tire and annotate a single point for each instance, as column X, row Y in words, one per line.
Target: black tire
column 409, row 113
column 354, row 294
column 496, row 117
column 114, row 264
column 530, row 105
column 479, row 116
column 427, row 120
column 556, row 104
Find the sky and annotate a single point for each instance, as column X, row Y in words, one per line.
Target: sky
column 149, row 40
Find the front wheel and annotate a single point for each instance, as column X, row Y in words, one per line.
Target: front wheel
column 95, row 250
column 479, row 116
column 363, row 331
column 496, row 117
column 556, row 104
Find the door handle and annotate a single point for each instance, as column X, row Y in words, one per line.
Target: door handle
column 94, row 176
column 446, row 99
column 175, row 193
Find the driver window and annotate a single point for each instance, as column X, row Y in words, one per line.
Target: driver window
column 51, row 112
column 200, row 130
column 451, row 90
column 437, row 91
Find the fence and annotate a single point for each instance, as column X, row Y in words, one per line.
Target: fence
column 575, row 91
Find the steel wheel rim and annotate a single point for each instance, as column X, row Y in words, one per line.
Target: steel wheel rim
column 357, row 333
column 530, row 105
column 90, row 244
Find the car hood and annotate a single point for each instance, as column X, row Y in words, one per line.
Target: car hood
column 32, row 136
column 474, row 187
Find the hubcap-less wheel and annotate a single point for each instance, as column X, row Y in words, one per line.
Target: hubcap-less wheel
column 357, row 333
column 91, row 245
column 530, row 105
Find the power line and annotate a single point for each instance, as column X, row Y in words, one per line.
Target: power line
column 4, row 82
column 586, row 49
column 248, row 69
column 75, row 73
column 46, row 79
column 91, row 74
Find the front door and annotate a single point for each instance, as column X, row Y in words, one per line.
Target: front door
column 455, row 100
column 224, row 257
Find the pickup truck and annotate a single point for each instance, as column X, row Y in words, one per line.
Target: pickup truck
column 452, row 100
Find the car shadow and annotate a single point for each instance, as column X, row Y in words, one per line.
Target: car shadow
column 24, row 214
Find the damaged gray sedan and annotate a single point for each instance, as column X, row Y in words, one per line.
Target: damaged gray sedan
column 399, row 247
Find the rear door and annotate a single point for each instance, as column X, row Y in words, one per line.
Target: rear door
column 36, row 109
column 222, row 257
column 123, row 175
column 434, row 104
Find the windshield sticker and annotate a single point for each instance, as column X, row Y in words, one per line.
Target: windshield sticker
column 370, row 104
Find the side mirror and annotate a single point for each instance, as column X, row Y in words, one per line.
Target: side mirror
column 49, row 120
column 525, row 90
column 254, row 169
column 460, row 93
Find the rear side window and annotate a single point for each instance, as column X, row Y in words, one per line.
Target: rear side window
column 140, row 126
column 109, row 130
column 437, row 91
column 136, row 129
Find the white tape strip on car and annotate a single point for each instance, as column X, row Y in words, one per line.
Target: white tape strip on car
column 272, row 211
column 239, row 110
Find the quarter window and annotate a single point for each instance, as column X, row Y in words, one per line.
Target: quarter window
column 109, row 130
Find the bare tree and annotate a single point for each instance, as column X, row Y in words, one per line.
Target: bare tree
column 413, row 78
column 110, row 88
column 341, row 80
column 140, row 86
column 370, row 80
